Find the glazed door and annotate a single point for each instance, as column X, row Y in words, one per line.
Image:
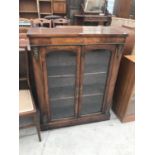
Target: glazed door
column 61, row 81
column 94, row 69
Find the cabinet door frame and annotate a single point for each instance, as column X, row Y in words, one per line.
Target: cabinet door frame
column 111, row 75
column 54, row 48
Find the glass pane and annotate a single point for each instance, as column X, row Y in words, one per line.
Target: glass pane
column 110, row 6
column 61, row 70
column 95, row 75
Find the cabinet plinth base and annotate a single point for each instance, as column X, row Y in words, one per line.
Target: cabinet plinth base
column 72, row 122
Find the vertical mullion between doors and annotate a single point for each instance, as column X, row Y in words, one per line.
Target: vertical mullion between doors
column 77, row 80
column 82, row 61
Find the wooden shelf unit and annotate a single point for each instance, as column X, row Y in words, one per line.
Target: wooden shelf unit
column 59, row 6
column 79, row 66
column 28, row 5
column 124, row 94
column 45, row 8
column 28, row 9
column 40, row 8
column 124, row 8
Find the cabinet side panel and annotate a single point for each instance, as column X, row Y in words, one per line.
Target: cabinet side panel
column 38, row 75
column 124, row 89
column 112, row 75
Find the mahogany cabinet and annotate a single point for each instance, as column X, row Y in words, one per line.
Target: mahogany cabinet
column 75, row 71
column 124, row 8
column 124, row 94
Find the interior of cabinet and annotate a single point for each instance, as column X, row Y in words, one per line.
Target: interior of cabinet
column 61, row 72
column 96, row 64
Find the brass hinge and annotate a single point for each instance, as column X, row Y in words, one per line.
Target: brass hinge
column 35, row 51
column 119, row 50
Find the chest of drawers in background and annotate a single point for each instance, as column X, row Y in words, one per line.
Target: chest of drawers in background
column 124, row 94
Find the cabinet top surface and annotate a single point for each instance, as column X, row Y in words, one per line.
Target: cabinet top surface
column 130, row 58
column 77, row 31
